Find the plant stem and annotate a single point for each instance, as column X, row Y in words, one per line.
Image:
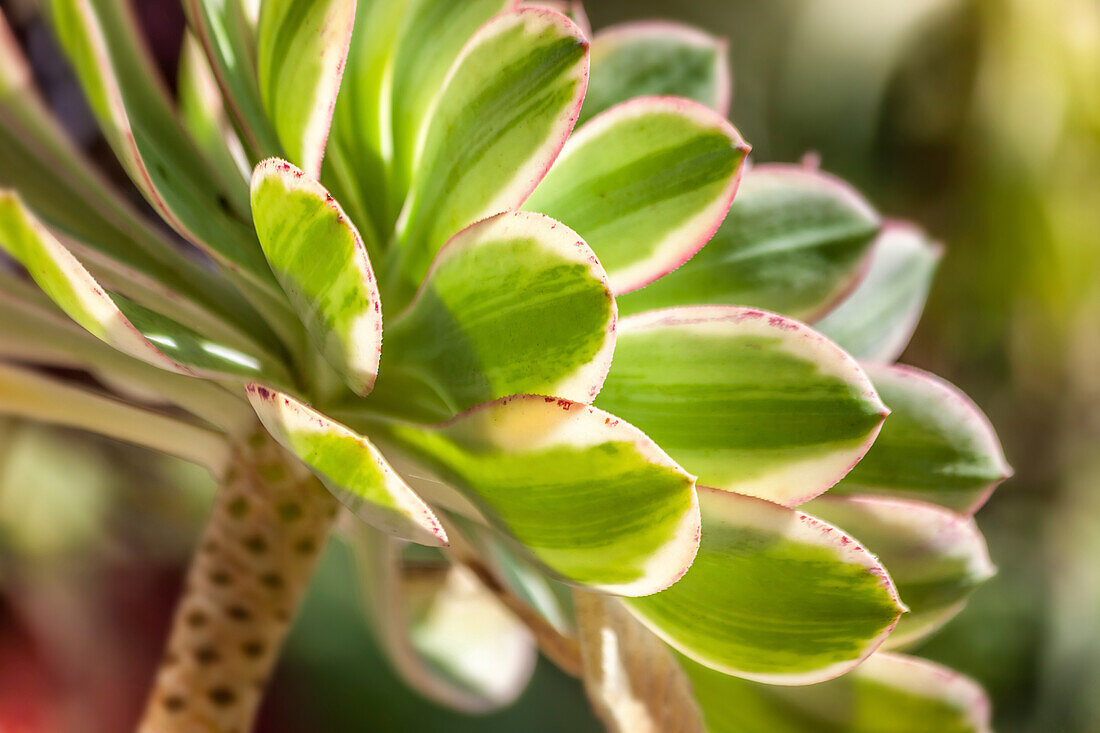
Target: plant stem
column 265, row 533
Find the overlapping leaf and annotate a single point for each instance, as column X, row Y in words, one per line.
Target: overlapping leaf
column 586, row 494
column 655, row 58
column 320, row 261
column 749, row 401
column 300, row 55
column 514, row 304
column 129, row 327
column 508, row 104
column 877, row 320
column 889, row 693
column 646, row 184
column 937, row 445
column 795, row 242
column 936, row 558
column 774, row 595
column 349, row 465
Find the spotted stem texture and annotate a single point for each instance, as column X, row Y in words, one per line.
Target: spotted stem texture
column 268, row 525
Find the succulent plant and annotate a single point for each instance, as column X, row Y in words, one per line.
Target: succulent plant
column 619, row 438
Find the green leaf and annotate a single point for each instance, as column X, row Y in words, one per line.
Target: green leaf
column 749, row 401
column 447, row 636
column 319, row 259
column 646, row 184
column 432, row 35
column 356, row 164
column 203, row 115
column 877, row 320
column 66, row 191
column 774, row 595
column 572, row 9
column 227, row 35
column 889, row 693
column 795, row 242
column 937, row 445
column 509, row 103
column 138, row 122
column 657, row 59
column 349, row 465
column 586, row 494
column 936, row 558
column 301, row 50
column 514, row 304
column 125, row 325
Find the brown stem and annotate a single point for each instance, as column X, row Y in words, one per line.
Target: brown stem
column 269, row 522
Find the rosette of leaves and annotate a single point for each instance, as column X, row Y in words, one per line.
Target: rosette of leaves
column 573, row 391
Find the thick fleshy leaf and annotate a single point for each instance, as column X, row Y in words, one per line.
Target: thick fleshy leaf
column 936, row 558
column 319, row 259
column 657, row 58
column 508, row 104
column 646, row 184
column 349, row 465
column 795, row 242
column 227, row 35
column 749, row 401
column 633, row 679
column 877, row 320
column 937, row 445
column 446, row 635
column 514, row 304
column 432, row 34
column 572, row 9
column 129, row 327
column 359, row 146
column 136, row 118
column 591, row 497
column 203, row 114
column 774, row 595
column 300, row 55
column 66, row 191
column 25, row 393
column 889, row 693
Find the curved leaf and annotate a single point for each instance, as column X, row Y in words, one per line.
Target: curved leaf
column 508, row 104
column 937, row 445
column 749, row 401
column 514, row 304
column 125, row 325
column 877, row 320
column 349, row 465
column 889, row 693
column 646, row 184
column 203, row 115
column 300, row 55
column 322, row 265
column 572, row 9
column 657, row 58
column 446, row 635
column 589, row 496
column 795, row 242
column 936, row 558
column 774, row 595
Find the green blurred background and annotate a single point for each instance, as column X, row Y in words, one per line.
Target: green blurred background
column 978, row 119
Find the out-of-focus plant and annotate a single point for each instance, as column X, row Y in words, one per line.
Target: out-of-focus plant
column 333, row 160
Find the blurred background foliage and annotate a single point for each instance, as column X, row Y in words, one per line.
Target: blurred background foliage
column 979, row 119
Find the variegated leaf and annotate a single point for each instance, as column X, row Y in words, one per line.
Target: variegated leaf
column 935, row 557
column 586, row 494
column 749, row 401
column 508, row 104
column 795, row 242
column 876, row 321
column 514, row 304
column 774, row 595
column 657, row 58
column 646, row 184
column 320, row 261
column 349, row 465
column 937, row 445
